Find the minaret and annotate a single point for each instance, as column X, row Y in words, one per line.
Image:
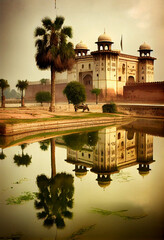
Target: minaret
column 146, row 64
column 105, row 65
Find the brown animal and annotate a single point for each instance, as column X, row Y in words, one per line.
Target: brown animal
column 84, row 107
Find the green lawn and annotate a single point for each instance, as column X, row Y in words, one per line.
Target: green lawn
column 58, row 117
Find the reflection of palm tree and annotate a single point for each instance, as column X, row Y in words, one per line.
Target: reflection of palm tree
column 23, row 159
column 55, row 198
column 2, row 155
column 44, row 144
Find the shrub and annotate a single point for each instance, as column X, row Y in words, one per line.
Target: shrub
column 43, row 97
column 109, row 108
column 75, row 92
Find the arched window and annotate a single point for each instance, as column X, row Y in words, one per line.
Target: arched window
column 119, row 79
column 106, row 47
column 131, row 80
column 123, row 68
column 119, row 135
column 89, row 66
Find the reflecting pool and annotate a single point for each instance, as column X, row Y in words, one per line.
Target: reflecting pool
column 103, row 183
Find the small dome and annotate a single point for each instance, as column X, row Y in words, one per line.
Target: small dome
column 104, row 38
column 80, row 174
column 145, row 46
column 103, row 184
column 81, row 45
column 143, row 173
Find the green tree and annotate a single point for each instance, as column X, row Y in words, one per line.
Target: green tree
column 44, row 144
column 22, row 85
column 43, row 97
column 53, row 50
column 43, row 81
column 97, row 92
column 75, row 92
column 3, row 85
column 23, row 159
column 76, row 141
column 2, row 155
column 109, row 108
column 55, row 199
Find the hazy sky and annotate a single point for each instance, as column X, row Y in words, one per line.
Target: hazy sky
column 137, row 20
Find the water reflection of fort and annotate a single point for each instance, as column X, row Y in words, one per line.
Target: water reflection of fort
column 115, row 149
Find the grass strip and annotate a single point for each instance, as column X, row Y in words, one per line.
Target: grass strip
column 58, row 117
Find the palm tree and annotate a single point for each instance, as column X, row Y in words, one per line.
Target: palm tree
column 97, row 92
column 21, row 85
column 2, row 155
column 55, row 199
column 23, row 159
column 3, row 84
column 53, row 50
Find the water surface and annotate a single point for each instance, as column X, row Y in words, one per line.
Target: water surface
column 105, row 184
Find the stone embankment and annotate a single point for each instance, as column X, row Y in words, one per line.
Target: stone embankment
column 61, row 125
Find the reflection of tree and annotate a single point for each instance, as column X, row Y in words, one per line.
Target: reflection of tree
column 92, row 138
column 44, row 144
column 55, row 199
column 23, row 159
column 2, row 155
column 78, row 140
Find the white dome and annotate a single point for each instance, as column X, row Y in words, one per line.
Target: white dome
column 104, row 38
column 81, row 45
column 145, row 46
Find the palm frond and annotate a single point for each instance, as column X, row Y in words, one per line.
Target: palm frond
column 58, row 22
column 3, row 83
column 22, row 84
column 39, row 43
column 39, row 31
column 47, row 23
column 67, row 31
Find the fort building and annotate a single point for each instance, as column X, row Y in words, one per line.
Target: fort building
column 115, row 150
column 106, row 69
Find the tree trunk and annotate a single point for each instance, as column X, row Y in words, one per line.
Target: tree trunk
column 3, row 100
column 22, row 100
column 96, row 99
column 52, row 106
column 53, row 164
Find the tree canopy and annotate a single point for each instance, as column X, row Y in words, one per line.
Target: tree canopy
column 43, row 97
column 23, row 159
column 54, row 52
column 75, row 92
column 97, row 92
column 76, row 141
column 44, row 81
column 55, row 199
column 3, row 84
column 22, row 84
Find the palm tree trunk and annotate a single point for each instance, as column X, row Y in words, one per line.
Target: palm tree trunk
column 3, row 100
column 53, row 164
column 52, row 106
column 22, row 100
column 96, row 99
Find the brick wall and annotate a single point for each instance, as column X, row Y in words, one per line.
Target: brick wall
column 34, row 88
column 145, row 92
